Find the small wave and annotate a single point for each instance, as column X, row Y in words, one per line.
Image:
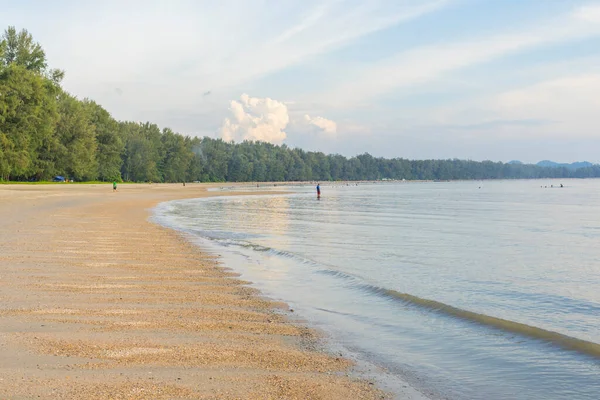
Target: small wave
column 222, row 235
column 333, row 311
column 263, row 249
column 337, row 274
column 564, row 341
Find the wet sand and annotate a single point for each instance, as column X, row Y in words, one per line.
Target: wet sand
column 98, row 302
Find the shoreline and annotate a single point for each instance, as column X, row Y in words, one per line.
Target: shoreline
column 365, row 366
column 99, row 301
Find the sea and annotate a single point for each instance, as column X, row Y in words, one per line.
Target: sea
column 458, row 290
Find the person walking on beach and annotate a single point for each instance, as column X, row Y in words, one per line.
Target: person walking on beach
column 114, row 186
column 318, row 191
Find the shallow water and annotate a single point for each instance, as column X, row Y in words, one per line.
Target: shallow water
column 468, row 290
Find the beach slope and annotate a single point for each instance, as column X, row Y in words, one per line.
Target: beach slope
column 98, row 302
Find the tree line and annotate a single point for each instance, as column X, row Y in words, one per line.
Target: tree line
column 45, row 131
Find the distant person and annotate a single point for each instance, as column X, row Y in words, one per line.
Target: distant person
column 561, row 185
column 114, row 186
column 318, row 191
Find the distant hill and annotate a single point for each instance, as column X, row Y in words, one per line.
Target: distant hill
column 516, row 162
column 572, row 166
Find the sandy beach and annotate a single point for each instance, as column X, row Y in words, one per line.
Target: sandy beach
column 98, row 302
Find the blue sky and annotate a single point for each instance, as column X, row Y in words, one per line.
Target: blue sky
column 476, row 79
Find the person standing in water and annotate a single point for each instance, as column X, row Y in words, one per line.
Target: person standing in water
column 318, row 191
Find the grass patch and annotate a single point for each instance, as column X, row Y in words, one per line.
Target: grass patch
column 60, row 183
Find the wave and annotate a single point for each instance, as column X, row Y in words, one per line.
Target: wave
column 237, row 239
column 229, row 239
column 564, row 341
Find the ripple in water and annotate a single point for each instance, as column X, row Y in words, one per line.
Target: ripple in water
column 471, row 293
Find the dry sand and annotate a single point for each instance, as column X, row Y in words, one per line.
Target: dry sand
column 98, row 302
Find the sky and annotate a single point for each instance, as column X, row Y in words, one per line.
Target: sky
column 472, row 79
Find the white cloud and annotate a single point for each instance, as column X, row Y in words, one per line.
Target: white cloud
column 590, row 13
column 172, row 52
column 564, row 107
column 256, row 119
column 427, row 63
column 322, row 124
column 156, row 60
column 266, row 120
column 310, row 20
column 571, row 103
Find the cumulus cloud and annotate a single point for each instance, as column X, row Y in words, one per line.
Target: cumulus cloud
column 266, row 120
column 253, row 118
column 320, row 123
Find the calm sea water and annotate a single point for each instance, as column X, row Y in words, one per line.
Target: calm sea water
column 467, row 290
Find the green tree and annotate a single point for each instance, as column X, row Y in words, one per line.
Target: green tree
column 28, row 105
column 20, row 49
column 109, row 143
column 143, row 152
column 76, row 154
column 45, row 131
column 177, row 157
column 216, row 154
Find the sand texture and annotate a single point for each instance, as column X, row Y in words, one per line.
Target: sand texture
column 96, row 302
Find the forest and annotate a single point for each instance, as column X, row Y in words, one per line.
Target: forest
column 45, row 131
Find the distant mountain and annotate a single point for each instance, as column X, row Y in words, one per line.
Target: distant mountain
column 572, row 166
column 516, row 162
